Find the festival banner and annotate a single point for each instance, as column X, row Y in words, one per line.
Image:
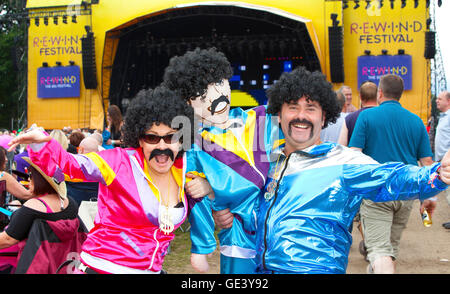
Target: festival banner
column 58, row 82
column 372, row 68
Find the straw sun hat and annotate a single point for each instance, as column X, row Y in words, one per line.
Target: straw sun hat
column 59, row 188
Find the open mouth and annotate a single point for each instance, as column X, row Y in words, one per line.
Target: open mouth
column 301, row 126
column 162, row 158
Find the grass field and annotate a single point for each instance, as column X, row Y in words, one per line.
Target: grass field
column 178, row 261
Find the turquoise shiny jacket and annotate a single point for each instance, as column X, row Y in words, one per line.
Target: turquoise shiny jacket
column 305, row 213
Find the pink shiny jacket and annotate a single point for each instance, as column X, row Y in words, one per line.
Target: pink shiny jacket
column 126, row 232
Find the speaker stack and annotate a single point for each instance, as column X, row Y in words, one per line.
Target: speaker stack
column 335, row 37
column 430, row 44
column 88, row 56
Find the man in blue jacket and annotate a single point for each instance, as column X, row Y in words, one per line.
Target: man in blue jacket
column 315, row 189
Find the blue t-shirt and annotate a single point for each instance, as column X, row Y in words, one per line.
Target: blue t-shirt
column 390, row 132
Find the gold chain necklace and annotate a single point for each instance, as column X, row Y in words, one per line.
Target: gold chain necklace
column 270, row 191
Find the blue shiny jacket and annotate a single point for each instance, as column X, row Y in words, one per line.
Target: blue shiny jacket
column 236, row 165
column 303, row 224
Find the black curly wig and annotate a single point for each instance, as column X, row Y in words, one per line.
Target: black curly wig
column 156, row 106
column 191, row 73
column 298, row 83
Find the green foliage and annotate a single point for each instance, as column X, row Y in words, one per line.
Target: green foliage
column 12, row 42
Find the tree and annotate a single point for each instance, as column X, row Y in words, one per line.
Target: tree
column 12, row 66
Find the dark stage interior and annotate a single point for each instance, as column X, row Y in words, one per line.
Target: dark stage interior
column 260, row 45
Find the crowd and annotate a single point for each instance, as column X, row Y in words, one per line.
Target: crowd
column 284, row 181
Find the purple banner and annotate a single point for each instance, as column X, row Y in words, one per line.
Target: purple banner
column 372, row 68
column 58, row 82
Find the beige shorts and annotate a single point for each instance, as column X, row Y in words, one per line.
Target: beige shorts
column 383, row 224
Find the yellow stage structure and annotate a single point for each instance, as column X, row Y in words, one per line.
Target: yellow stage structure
column 85, row 55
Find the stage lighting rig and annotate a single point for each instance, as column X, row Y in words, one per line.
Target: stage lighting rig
column 344, row 4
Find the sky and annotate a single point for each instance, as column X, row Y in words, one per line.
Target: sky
column 442, row 23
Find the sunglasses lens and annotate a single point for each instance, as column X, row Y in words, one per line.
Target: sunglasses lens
column 154, row 139
column 151, row 139
column 168, row 139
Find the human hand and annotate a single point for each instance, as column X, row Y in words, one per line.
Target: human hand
column 35, row 135
column 429, row 205
column 223, row 218
column 444, row 172
column 200, row 262
column 198, row 187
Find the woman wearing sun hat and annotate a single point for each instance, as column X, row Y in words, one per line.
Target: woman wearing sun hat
column 50, row 202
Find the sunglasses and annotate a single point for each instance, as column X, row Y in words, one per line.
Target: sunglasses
column 168, row 139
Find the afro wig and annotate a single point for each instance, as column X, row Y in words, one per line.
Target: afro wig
column 191, row 73
column 156, row 106
column 298, row 83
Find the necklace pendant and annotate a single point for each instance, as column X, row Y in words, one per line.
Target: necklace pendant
column 270, row 190
column 268, row 196
column 166, row 225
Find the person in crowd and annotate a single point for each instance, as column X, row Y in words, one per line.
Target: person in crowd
column 98, row 136
column 442, row 138
column 3, row 158
column 75, row 138
column 231, row 151
column 21, row 164
column 141, row 199
column 388, row 133
column 368, row 97
column 332, row 131
column 347, row 91
column 112, row 134
column 62, row 139
column 88, row 144
column 303, row 227
column 12, row 184
column 79, row 190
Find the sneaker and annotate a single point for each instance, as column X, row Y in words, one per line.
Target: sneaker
column 446, row 225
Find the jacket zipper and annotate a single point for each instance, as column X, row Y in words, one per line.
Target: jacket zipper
column 268, row 211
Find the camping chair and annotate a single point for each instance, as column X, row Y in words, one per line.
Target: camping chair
column 49, row 245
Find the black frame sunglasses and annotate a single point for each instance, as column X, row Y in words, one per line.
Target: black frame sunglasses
column 168, row 139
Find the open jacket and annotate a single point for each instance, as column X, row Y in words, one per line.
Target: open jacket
column 303, row 225
column 126, row 237
column 236, row 167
